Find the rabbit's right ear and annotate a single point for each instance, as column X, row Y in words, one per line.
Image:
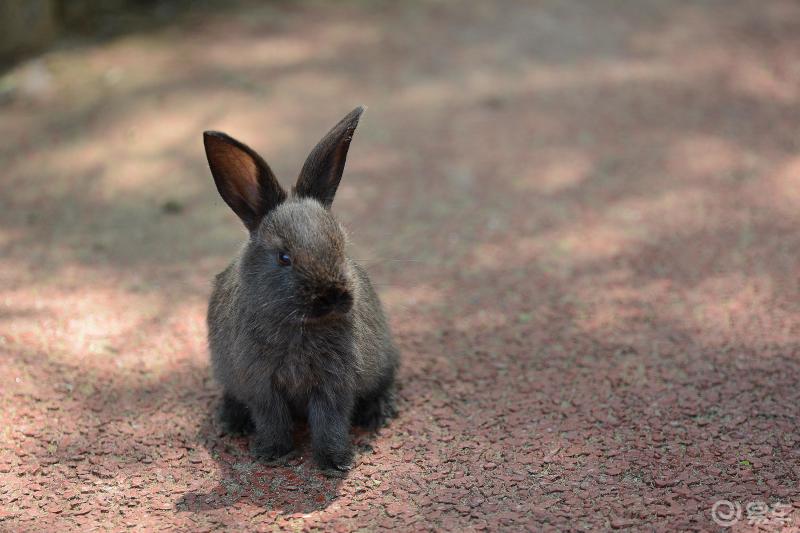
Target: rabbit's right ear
column 322, row 171
column 243, row 179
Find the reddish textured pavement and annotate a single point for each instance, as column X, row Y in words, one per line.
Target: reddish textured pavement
column 582, row 218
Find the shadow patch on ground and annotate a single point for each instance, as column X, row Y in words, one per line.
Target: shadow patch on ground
column 290, row 485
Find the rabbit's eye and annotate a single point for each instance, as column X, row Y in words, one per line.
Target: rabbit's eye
column 284, row 259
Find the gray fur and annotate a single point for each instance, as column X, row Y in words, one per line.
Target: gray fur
column 276, row 358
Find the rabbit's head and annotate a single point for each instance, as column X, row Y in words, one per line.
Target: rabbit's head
column 294, row 265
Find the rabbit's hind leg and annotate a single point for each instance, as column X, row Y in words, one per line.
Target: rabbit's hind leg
column 235, row 416
column 375, row 410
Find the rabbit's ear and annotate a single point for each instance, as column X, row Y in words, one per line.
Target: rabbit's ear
column 322, row 171
column 243, row 179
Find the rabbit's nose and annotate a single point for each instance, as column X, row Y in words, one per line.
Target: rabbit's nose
column 333, row 299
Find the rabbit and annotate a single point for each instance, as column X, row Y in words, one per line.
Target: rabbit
column 295, row 328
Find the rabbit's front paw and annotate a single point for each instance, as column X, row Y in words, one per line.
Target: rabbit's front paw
column 339, row 459
column 269, row 449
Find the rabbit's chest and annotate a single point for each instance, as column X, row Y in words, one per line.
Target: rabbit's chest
column 297, row 371
column 301, row 364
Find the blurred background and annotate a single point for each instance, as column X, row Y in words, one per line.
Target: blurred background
column 581, row 216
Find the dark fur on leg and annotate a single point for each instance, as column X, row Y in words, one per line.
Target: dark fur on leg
column 329, row 420
column 234, row 416
column 273, row 425
column 376, row 410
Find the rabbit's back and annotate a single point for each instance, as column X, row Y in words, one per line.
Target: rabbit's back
column 221, row 320
column 378, row 356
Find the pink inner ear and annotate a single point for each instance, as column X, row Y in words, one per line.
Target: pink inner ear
column 245, row 180
column 252, row 196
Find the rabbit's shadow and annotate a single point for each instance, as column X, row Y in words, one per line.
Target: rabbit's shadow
column 293, row 484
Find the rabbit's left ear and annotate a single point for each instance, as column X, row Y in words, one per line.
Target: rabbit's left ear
column 243, row 179
column 322, row 171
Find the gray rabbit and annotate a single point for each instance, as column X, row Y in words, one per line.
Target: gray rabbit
column 294, row 325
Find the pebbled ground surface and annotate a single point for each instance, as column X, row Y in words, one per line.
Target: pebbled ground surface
column 581, row 216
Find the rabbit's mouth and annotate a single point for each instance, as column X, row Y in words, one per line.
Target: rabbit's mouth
column 333, row 303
